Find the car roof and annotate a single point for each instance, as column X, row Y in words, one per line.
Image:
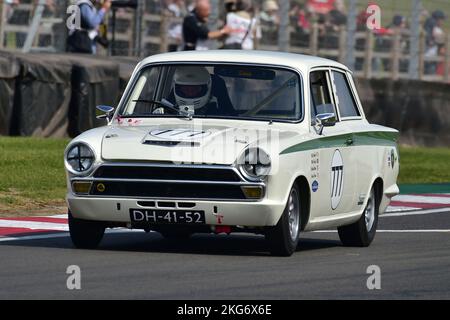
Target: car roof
column 301, row 62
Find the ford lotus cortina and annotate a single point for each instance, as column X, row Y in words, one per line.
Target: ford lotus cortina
column 233, row 141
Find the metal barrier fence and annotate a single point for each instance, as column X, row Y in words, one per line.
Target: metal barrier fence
column 409, row 43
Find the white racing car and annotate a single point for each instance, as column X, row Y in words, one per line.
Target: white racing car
column 233, row 141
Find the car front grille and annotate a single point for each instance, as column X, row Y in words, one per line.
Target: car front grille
column 166, row 173
column 168, row 181
column 144, row 189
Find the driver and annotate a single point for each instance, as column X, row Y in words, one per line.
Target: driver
column 192, row 90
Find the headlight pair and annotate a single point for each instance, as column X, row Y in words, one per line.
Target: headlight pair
column 254, row 164
column 79, row 158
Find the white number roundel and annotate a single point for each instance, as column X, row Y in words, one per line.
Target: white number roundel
column 337, row 179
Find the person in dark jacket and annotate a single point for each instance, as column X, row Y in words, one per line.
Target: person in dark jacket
column 195, row 28
column 83, row 40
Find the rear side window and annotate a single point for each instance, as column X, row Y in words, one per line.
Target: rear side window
column 345, row 100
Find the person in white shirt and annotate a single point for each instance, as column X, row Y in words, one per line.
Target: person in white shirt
column 177, row 8
column 243, row 25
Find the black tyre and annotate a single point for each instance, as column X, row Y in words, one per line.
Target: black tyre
column 284, row 237
column 362, row 232
column 85, row 234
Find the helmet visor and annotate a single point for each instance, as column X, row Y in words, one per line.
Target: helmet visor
column 191, row 91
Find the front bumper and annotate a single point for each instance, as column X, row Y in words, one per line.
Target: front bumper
column 249, row 214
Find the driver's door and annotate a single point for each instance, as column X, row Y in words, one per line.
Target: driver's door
column 332, row 176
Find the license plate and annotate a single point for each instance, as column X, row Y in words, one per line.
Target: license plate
column 167, row 216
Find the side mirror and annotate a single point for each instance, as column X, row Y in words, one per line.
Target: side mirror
column 324, row 120
column 104, row 112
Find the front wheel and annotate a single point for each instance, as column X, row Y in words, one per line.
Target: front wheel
column 85, row 234
column 362, row 232
column 284, row 237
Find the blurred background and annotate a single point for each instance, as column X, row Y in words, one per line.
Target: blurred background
column 406, row 46
column 402, row 67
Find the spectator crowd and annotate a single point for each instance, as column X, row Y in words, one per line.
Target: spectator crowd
column 246, row 24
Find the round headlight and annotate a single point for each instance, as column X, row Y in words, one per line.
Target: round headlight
column 79, row 158
column 254, row 164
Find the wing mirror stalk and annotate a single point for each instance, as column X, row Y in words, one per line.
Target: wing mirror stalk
column 105, row 112
column 324, row 120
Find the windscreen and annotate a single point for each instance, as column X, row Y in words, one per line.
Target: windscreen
column 216, row 91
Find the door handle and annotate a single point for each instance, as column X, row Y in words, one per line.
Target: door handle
column 349, row 142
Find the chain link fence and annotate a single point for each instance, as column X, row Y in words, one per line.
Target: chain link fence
column 411, row 40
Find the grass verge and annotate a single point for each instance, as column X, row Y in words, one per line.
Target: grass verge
column 424, row 165
column 32, row 174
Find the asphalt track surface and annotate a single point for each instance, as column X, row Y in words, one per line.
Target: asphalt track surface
column 412, row 251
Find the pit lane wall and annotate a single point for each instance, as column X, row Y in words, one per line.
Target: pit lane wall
column 419, row 110
column 54, row 95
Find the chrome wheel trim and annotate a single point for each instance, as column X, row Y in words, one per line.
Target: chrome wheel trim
column 294, row 214
column 369, row 212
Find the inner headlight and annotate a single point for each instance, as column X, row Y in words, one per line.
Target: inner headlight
column 79, row 158
column 254, row 164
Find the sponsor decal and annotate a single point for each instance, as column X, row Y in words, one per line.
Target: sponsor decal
column 315, row 165
column 337, row 179
column 219, row 217
column 130, row 122
column 393, row 158
column 101, row 187
column 362, row 197
column 315, row 186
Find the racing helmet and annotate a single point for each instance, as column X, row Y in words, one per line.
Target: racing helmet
column 192, row 86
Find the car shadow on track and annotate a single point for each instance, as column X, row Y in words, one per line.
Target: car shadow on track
column 236, row 245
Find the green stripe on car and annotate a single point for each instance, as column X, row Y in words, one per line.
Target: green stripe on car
column 375, row 138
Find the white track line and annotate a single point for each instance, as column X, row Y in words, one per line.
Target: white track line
column 416, row 231
column 62, row 235
column 400, row 209
column 34, row 225
column 414, row 213
column 58, row 216
column 397, row 231
column 42, row 236
column 422, row 199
